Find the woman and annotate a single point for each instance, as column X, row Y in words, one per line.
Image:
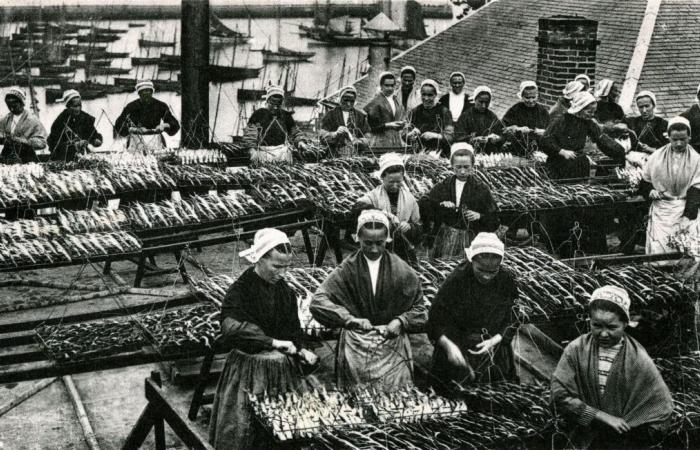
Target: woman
column 478, row 125
column 585, row 80
column 526, row 121
column 72, row 130
column 471, row 321
column 259, row 319
column 608, row 111
column 270, row 128
column 607, row 384
column 649, row 128
column 385, row 113
column 430, row 123
column 21, row 132
column 693, row 116
column 671, row 179
column 564, row 102
column 459, row 207
column 400, row 206
column 344, row 128
column 565, row 139
column 456, row 100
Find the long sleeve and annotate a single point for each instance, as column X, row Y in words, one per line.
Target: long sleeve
column 550, row 141
column 461, row 129
column 169, row 118
column 489, row 216
column 327, row 312
column 297, row 136
column 55, row 137
column 416, row 317
column 35, row 133
column 564, row 400
column 238, row 329
column 448, row 130
column 121, row 125
column 605, row 143
column 327, row 132
column 251, row 136
column 93, row 134
column 442, row 314
column 374, row 118
column 692, row 203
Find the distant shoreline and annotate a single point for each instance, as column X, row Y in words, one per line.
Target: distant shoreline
column 149, row 12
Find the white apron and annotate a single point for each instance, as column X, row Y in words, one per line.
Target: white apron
column 271, row 153
column 367, row 358
column 664, row 217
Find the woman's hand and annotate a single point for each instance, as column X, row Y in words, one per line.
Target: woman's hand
column 472, row 216
column 286, row 347
column 655, row 195
column 488, row 345
column 616, row 423
column 403, row 227
column 567, row 154
column 394, row 328
column 448, row 204
column 307, row 357
column 430, row 136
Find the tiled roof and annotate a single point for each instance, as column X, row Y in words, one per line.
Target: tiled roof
column 496, row 45
column 672, row 66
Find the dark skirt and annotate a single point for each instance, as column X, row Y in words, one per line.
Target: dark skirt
column 560, row 168
column 451, row 241
column 231, row 426
column 16, row 153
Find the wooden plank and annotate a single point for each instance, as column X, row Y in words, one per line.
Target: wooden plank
column 25, row 394
column 21, row 354
column 89, row 310
column 88, row 432
column 188, row 372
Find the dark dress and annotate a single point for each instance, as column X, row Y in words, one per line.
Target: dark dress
column 569, row 132
column 445, row 101
column 523, row 116
column 273, row 129
column 357, row 124
column 693, row 116
column 438, row 220
column 438, row 120
column 462, row 309
column 67, row 128
column 650, row 132
column 559, row 109
column 609, row 112
column 262, row 312
column 147, row 115
column 473, row 123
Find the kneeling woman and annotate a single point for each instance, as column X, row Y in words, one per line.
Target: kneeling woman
column 459, row 207
column 607, row 384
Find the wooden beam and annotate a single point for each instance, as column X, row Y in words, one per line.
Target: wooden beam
column 88, row 433
column 143, row 426
column 24, row 395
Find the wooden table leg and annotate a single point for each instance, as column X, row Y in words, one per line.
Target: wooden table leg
column 140, row 268
column 204, row 371
column 307, row 244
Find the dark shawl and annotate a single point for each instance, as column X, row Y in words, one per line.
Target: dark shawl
column 147, row 115
column 68, row 127
column 437, row 120
column 476, row 196
column 569, row 132
column 462, row 308
column 262, row 312
column 357, row 124
column 650, row 132
column 609, row 112
column 445, row 101
column 347, row 293
column 266, row 129
column 693, row 116
column 634, row 391
column 473, row 123
column 524, row 116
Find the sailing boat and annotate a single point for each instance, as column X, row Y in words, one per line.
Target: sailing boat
column 290, row 82
column 220, row 34
column 323, row 24
column 284, row 54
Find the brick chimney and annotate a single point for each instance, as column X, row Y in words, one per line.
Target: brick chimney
column 566, row 47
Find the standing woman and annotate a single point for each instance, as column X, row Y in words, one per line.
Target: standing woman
column 457, row 100
column 344, row 128
column 608, row 111
column 478, row 125
column 607, row 385
column 672, row 181
column 385, row 113
column 400, row 206
column 565, row 139
column 21, row 132
column 430, row 125
column 459, row 207
column 270, row 128
column 527, row 119
column 564, row 102
column 693, row 116
column 72, row 130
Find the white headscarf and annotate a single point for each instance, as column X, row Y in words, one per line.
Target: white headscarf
column 583, row 76
column 389, row 160
column 432, row 83
column 526, row 85
column 646, row 94
column 345, row 90
column 273, row 90
column 264, row 241
column 14, row 92
column 572, row 88
column 615, row 295
column 481, row 90
column 460, row 146
column 604, row 87
column 373, row 215
column 485, row 243
column 145, row 84
column 69, row 95
column 580, row 101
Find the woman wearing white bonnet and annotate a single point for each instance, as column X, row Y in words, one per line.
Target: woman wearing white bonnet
column 607, row 386
column 344, row 129
column 471, row 321
column 457, row 100
column 260, row 320
column 479, row 125
column 608, row 110
column 457, row 208
column 693, row 116
column 396, row 200
column 430, row 123
column 649, row 128
column 564, row 102
column 72, row 130
column 21, row 132
column 526, row 121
